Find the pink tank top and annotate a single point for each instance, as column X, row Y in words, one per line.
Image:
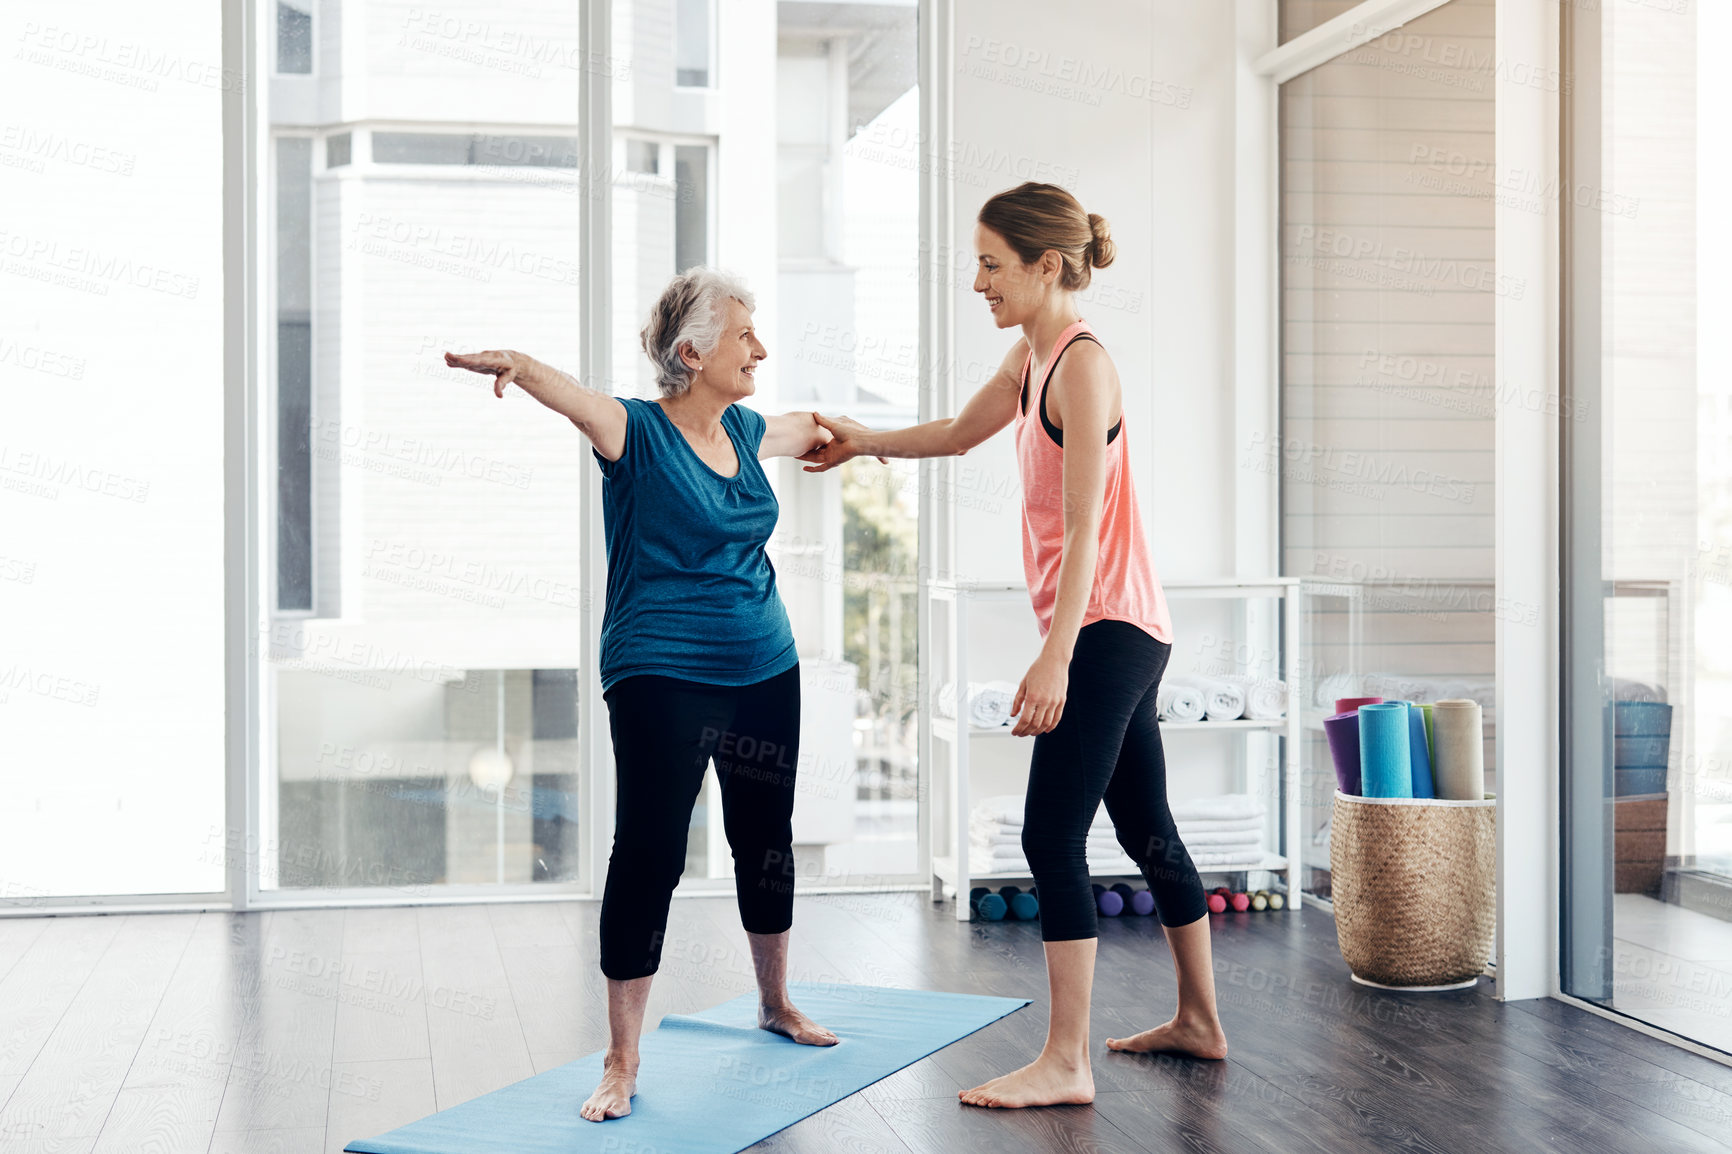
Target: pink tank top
column 1125, row 586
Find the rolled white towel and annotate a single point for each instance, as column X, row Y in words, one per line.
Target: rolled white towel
column 1222, row 700
column 1334, row 687
column 1226, row 806
column 1265, row 697
column 1179, row 703
column 988, row 702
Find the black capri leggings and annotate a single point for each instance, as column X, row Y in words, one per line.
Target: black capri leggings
column 1106, row 744
column 665, row 731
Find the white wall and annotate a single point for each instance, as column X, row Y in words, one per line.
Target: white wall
column 1130, row 106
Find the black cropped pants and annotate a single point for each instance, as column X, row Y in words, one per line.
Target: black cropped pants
column 665, row 732
column 1107, row 745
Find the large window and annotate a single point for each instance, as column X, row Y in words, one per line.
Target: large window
column 1648, row 546
column 112, row 450
column 420, row 721
column 790, row 194
column 1385, row 452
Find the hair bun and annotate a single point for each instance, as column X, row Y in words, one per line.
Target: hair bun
column 1102, row 250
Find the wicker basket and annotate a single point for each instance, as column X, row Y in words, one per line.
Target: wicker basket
column 1414, row 885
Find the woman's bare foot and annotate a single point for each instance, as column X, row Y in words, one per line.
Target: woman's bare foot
column 1043, row 1082
column 612, row 1099
column 791, row 1023
column 1183, row 1036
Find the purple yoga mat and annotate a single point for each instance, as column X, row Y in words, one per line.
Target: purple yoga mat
column 1343, row 733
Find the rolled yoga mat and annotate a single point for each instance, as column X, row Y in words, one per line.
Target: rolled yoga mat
column 1419, row 752
column 712, row 1082
column 1343, row 733
column 1385, row 750
column 1349, row 704
column 1430, row 742
column 1458, row 736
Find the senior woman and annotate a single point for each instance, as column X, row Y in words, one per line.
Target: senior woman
column 697, row 656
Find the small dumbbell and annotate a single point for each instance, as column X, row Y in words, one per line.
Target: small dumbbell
column 987, row 904
column 1023, row 906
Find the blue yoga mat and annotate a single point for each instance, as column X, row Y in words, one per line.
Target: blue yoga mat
column 1419, row 752
column 1385, row 750
column 712, row 1082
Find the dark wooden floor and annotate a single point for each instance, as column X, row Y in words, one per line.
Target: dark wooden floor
column 294, row 1032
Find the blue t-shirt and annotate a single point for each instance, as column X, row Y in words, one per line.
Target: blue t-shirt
column 691, row 592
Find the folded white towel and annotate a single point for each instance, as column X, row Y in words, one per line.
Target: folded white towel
column 1222, row 700
column 988, row 702
column 1192, row 825
column 1005, row 809
column 1013, row 840
column 1178, row 703
column 1265, row 698
column 1001, row 814
column 1218, row 840
column 1099, row 863
column 1222, row 806
column 1236, row 859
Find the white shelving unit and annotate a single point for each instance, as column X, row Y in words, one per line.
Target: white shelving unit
column 950, row 871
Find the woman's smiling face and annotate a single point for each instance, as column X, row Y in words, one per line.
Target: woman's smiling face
column 1013, row 290
column 731, row 366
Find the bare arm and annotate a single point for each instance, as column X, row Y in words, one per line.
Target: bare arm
column 990, row 409
column 600, row 417
column 791, row 435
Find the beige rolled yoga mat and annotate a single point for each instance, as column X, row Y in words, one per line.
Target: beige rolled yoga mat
column 1458, row 749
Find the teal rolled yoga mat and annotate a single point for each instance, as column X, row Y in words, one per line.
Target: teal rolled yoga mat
column 1385, row 750
column 1419, row 754
column 1458, row 736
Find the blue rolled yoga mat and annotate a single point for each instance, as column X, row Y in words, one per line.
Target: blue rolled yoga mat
column 1342, row 730
column 1419, row 752
column 1385, row 750
column 711, row 1082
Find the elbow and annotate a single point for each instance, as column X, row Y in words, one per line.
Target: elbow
column 957, row 445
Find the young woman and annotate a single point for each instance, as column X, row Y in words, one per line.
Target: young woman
column 697, row 656
column 1090, row 696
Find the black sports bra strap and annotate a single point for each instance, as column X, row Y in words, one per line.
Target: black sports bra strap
column 1052, row 430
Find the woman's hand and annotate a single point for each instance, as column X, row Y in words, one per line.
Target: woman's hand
column 842, row 447
column 502, row 365
column 1039, row 701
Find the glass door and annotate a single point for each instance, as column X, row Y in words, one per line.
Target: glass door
column 1647, row 437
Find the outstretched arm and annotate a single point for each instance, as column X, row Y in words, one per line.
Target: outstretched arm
column 794, row 435
column 600, row 417
column 790, row 435
column 987, row 411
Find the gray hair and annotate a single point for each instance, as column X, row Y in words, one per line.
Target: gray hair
column 691, row 310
